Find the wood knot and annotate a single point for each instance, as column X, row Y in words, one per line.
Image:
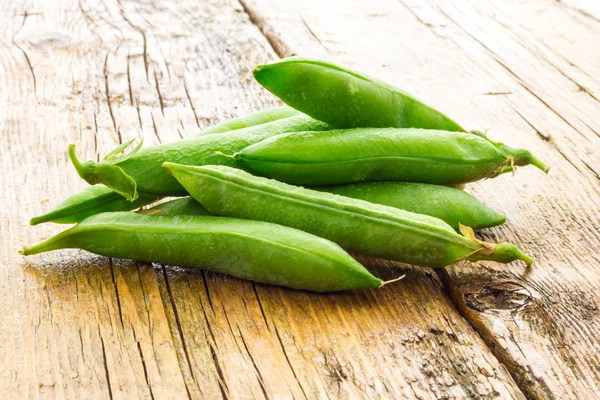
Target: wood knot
column 48, row 40
column 498, row 296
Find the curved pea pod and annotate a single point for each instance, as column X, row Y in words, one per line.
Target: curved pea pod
column 254, row 250
column 449, row 204
column 256, row 118
column 182, row 206
column 91, row 200
column 141, row 169
column 382, row 154
column 346, row 99
column 356, row 225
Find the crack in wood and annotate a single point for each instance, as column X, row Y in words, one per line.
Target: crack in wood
column 25, row 53
column 261, row 380
column 178, row 324
column 107, row 91
column 105, row 363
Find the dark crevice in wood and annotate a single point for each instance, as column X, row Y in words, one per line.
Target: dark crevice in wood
column 114, row 282
column 145, row 369
column 211, row 342
column 231, row 327
column 278, row 47
column 288, row 360
column 548, row 139
column 261, row 381
column 107, row 91
column 179, row 329
column 25, row 53
column 129, row 81
column 81, row 346
column 96, row 137
column 144, row 294
column 545, row 137
column 166, row 62
column 187, row 93
column 139, row 114
column 155, row 128
column 262, row 311
column 144, row 38
column 160, row 98
column 105, row 363
column 207, row 291
column 502, row 358
column 313, row 34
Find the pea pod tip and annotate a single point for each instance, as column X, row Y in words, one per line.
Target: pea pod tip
column 383, row 283
column 540, row 164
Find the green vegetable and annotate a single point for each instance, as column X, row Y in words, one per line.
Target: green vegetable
column 449, row 204
column 257, row 118
column 254, row 250
column 101, row 199
column 141, row 169
column 356, row 225
column 382, row 154
column 91, row 200
column 181, row 206
column 345, row 98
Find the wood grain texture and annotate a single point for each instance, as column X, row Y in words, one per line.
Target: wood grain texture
column 75, row 325
column 530, row 71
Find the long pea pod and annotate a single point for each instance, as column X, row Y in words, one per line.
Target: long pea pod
column 141, row 169
column 356, row 225
column 451, row 205
column 256, row 118
column 254, row 250
column 91, row 201
column 346, row 99
column 382, row 154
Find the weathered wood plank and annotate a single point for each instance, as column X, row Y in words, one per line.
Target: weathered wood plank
column 529, row 70
column 75, row 325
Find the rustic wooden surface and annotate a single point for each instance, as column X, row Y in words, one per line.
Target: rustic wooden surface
column 98, row 73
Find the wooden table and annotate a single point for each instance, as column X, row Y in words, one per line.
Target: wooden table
column 74, row 325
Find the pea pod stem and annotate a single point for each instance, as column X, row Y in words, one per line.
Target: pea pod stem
column 521, row 157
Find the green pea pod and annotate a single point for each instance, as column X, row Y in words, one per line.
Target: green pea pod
column 258, row 251
column 91, row 200
column 256, row 118
column 382, row 154
column 356, row 225
column 101, row 199
column 141, row 170
column 182, row 206
column 346, row 99
column 449, row 204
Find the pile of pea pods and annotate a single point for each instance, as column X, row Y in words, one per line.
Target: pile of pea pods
column 280, row 196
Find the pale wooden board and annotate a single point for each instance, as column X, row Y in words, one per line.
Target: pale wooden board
column 78, row 326
column 529, row 70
